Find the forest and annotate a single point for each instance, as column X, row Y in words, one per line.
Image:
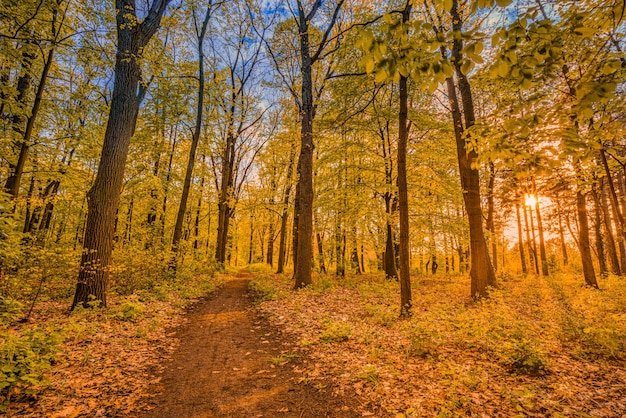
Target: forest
column 425, row 202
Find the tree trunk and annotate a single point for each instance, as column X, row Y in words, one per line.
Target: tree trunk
column 195, row 139
column 104, row 196
column 303, row 245
column 562, row 238
column 282, row 245
column 532, row 247
column 320, row 253
column 491, row 224
column 196, row 241
column 270, row 243
column 612, row 249
column 340, row 264
column 482, row 274
column 303, row 208
column 11, row 185
column 617, row 213
column 356, row 265
column 166, row 187
column 533, row 239
column 520, row 240
column 542, row 243
column 29, row 198
column 583, row 240
column 597, row 226
column 225, row 193
column 251, row 243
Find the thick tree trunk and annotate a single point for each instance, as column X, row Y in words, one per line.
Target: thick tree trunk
column 303, row 244
column 481, row 271
column 520, row 240
column 583, row 240
column 18, row 118
column 103, row 197
column 406, row 302
column 223, row 205
column 403, row 197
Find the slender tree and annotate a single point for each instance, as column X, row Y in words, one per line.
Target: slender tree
column 195, row 138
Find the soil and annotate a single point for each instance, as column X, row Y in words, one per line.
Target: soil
column 226, row 366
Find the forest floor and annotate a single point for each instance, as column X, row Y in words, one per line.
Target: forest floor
column 537, row 347
column 246, row 345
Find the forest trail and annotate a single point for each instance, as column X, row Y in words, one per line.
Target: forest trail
column 223, row 366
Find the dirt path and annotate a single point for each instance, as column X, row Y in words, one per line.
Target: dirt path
column 223, row 369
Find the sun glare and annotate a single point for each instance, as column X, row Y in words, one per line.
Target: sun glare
column 531, row 200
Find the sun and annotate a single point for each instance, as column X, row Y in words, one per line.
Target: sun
column 531, row 200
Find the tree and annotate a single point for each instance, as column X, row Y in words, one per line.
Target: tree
column 103, row 198
column 195, row 138
column 308, row 56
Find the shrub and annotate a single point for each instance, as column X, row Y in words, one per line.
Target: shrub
column 524, row 357
column 264, row 289
column 130, row 310
column 24, row 359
